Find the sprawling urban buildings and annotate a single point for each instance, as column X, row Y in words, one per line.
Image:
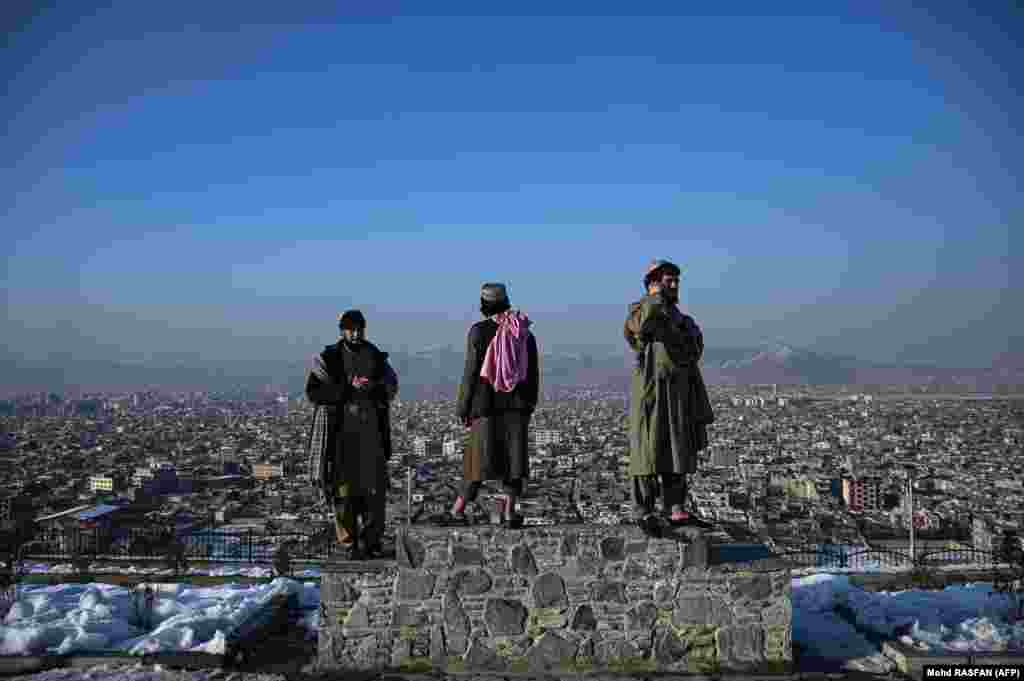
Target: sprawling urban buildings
column 789, row 466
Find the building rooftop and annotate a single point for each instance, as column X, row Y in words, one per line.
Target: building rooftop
column 97, row 511
column 63, row 514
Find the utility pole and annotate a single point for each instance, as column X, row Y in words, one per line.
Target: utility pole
column 910, row 493
column 408, row 495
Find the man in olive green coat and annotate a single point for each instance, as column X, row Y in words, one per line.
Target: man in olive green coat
column 669, row 405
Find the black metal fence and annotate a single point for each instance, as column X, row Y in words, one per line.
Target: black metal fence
column 206, row 544
column 248, row 546
column 868, row 560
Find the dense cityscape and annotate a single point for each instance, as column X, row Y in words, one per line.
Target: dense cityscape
column 787, row 466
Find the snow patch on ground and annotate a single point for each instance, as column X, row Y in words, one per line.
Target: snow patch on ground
column 227, row 570
column 69, row 618
column 139, row 672
column 970, row 617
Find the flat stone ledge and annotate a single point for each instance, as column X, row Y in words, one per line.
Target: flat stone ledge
column 340, row 566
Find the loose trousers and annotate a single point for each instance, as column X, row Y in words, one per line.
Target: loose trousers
column 646, row 488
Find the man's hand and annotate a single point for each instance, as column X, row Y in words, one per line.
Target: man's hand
column 467, row 422
column 360, row 382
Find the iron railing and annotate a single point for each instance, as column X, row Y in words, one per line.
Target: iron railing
column 868, row 560
column 248, row 546
column 208, row 544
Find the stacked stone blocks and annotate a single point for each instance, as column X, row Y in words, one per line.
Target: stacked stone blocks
column 561, row 599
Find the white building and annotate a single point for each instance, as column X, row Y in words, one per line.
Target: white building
column 546, row 436
column 423, row 447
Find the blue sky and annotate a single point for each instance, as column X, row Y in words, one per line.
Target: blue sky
column 226, row 180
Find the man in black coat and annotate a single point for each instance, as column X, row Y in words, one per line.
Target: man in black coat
column 352, row 384
column 496, row 400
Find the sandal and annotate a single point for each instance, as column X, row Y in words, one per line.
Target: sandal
column 685, row 519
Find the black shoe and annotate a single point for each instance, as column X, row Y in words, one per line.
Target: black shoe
column 650, row 526
column 700, row 523
column 513, row 521
column 346, row 552
column 374, row 552
column 452, row 519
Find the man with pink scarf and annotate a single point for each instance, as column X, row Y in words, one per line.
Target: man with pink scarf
column 496, row 400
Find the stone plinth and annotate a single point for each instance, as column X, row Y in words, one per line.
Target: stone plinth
column 558, row 599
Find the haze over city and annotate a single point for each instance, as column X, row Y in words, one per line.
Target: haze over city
column 182, row 187
column 816, row 469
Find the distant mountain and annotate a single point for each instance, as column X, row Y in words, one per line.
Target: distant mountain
column 436, row 372
column 779, row 363
column 785, row 364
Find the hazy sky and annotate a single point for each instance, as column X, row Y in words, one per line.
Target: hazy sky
column 176, row 182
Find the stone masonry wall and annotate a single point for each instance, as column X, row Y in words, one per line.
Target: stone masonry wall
column 558, row 599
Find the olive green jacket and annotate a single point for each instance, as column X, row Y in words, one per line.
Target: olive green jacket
column 669, row 405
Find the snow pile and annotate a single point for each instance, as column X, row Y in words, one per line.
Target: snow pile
column 820, row 631
column 140, row 672
column 213, row 571
column 967, row 618
column 249, row 571
column 96, row 617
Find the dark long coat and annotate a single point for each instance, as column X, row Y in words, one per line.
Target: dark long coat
column 498, row 447
column 669, row 405
column 329, row 388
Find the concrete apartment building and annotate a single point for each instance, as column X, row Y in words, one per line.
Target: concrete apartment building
column 862, row 494
column 109, row 482
column 423, row 447
column 452, row 449
column 546, row 436
column 265, row 470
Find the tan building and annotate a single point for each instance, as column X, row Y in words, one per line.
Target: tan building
column 265, row 471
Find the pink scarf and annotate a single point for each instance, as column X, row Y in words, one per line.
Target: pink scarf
column 505, row 362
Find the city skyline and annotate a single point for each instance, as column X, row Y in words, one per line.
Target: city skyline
column 845, row 183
